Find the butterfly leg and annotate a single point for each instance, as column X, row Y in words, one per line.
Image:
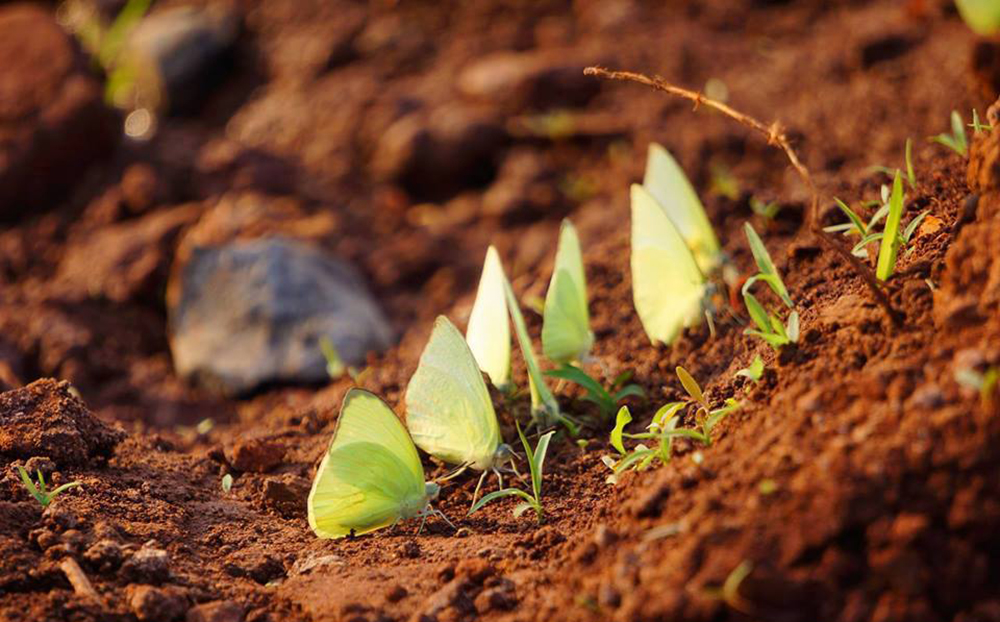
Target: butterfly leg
column 475, row 495
column 496, row 472
column 423, row 520
column 440, row 514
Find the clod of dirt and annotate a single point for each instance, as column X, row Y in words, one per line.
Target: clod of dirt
column 537, row 79
column 104, row 555
column 141, row 188
column 216, row 611
column 286, row 495
column 260, row 567
column 46, row 419
column 457, row 597
column 147, row 565
column 53, row 122
column 436, row 154
column 181, row 54
column 151, row 604
column 258, row 454
column 252, row 313
column 128, row 261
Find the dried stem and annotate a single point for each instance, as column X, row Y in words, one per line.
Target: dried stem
column 81, row 584
column 775, row 136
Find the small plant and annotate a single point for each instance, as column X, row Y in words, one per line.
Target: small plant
column 106, row 44
column 536, row 462
column 957, row 141
column 664, row 428
column 723, row 182
column 986, row 383
column 982, row 16
column 605, row 400
column 754, row 371
column 911, row 176
column 770, row 327
column 768, row 211
column 729, row 592
column 867, row 232
column 227, row 482
column 40, row 492
column 978, row 127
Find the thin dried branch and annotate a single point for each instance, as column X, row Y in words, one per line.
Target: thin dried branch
column 775, row 136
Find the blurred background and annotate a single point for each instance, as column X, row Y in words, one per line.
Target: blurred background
column 197, row 197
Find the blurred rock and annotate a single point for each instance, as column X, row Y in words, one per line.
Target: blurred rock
column 216, row 611
column 436, row 154
column 45, row 418
column 11, row 367
column 286, row 495
column 141, row 188
column 180, row 54
column 126, row 261
column 104, row 555
column 254, row 312
column 154, row 604
column 53, row 122
column 536, row 79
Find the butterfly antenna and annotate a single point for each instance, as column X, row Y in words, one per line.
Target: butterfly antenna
column 711, row 324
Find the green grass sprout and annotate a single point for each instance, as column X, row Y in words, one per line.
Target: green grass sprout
column 770, row 326
column 729, row 593
column 536, row 462
column 40, row 492
column 911, row 176
column 544, row 407
column 664, row 428
column 957, row 141
column 768, row 211
column 605, row 400
column 723, row 183
column 985, row 382
column 982, row 16
column 335, row 366
column 227, row 482
column 977, row 126
column 754, row 371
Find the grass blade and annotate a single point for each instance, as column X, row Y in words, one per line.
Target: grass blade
column 889, row 247
column 623, row 418
column 690, row 385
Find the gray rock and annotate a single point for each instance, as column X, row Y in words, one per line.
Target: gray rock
column 147, row 565
column 254, row 312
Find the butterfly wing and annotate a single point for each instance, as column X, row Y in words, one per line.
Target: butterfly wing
column 667, row 285
column 448, row 409
column 488, row 333
column 666, row 181
column 370, row 473
column 566, row 334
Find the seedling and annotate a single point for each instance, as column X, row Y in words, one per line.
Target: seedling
column 723, row 182
column 40, row 492
column 911, row 176
column 891, row 238
column 536, row 461
column 978, row 127
column 754, row 371
column 227, row 482
column 982, row 16
column 664, row 428
column 986, row 383
column 606, row 401
column 107, row 43
column 729, row 593
column 335, row 366
column 544, row 407
column 768, row 211
column 957, row 141
column 770, row 327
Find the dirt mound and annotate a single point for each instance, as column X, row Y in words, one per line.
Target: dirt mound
column 45, row 418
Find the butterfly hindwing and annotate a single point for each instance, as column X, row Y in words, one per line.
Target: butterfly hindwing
column 448, row 408
column 566, row 334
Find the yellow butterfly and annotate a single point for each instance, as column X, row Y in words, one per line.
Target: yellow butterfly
column 371, row 476
column 566, row 334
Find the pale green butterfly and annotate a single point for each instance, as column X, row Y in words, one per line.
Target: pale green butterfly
column 669, row 186
column 448, row 409
column 371, row 476
column 488, row 333
column 566, row 334
column 667, row 286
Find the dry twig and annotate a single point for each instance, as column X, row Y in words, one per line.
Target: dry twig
column 81, row 584
column 775, row 136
